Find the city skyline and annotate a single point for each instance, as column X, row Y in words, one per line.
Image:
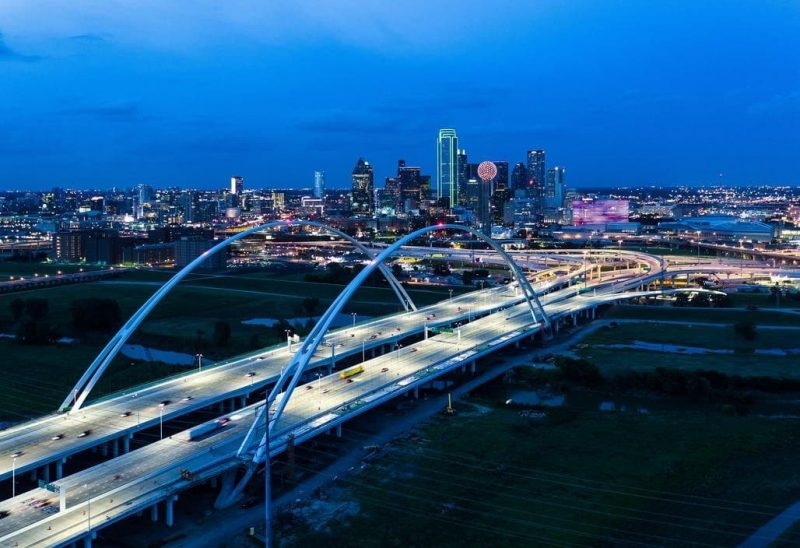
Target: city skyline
column 622, row 95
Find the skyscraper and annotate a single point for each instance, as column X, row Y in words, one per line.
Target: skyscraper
column 362, row 196
column 447, row 166
column 319, row 184
column 237, row 185
column 554, row 188
column 536, row 174
column 500, row 191
column 519, row 178
column 463, row 176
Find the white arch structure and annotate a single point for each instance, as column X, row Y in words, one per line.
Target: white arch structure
column 88, row 380
column 312, row 341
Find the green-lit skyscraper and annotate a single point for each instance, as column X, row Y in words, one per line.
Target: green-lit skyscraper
column 447, row 166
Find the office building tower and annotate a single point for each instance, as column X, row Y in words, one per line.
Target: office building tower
column 463, row 176
column 143, row 197
column 536, row 174
column 555, row 187
column 363, row 192
column 412, row 186
column 500, row 192
column 237, row 185
column 188, row 202
column 447, row 166
column 188, row 248
column 519, row 179
column 319, row 185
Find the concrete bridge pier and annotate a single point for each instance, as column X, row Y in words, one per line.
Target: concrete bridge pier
column 472, row 367
column 126, row 443
column 227, row 492
column 104, row 450
column 115, row 447
column 87, row 540
column 60, row 468
column 46, row 473
column 338, row 430
column 416, row 392
column 169, row 512
column 154, row 512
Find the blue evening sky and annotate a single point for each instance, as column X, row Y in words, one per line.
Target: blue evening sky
column 116, row 92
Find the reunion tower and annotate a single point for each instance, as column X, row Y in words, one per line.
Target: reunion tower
column 487, row 171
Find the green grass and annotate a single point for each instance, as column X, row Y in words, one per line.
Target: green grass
column 577, row 477
column 687, row 314
column 722, row 336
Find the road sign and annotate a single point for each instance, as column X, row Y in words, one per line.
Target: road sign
column 441, row 329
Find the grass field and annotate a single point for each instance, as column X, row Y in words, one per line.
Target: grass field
column 688, row 314
column 672, row 477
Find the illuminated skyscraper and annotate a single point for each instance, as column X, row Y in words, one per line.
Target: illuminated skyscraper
column 519, row 179
column 554, row 188
column 447, row 166
column 536, row 175
column 319, row 184
column 237, row 185
column 362, row 196
column 463, row 176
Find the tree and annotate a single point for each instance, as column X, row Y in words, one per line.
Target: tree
column 310, row 305
column 746, row 330
column 95, row 314
column 36, row 308
column 17, row 307
column 222, row 333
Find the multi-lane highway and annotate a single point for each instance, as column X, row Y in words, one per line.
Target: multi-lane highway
column 492, row 318
column 140, row 478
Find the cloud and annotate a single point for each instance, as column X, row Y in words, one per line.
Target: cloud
column 90, row 37
column 8, row 54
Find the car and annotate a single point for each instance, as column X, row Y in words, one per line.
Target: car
column 349, row 380
column 117, row 476
column 4, row 514
column 84, row 433
column 187, row 398
column 413, row 349
column 261, row 358
column 384, row 370
column 373, row 337
column 41, row 503
column 17, row 454
column 126, row 414
column 164, row 403
column 309, row 387
column 56, row 437
column 251, row 373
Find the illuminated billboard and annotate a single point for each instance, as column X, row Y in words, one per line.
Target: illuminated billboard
column 599, row 212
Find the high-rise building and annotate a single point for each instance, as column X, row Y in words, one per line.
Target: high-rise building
column 188, row 202
column 362, row 195
column 555, row 187
column 519, row 179
column 237, row 185
column 188, row 248
column 447, row 166
column 500, row 191
column 142, row 198
column 463, row 176
column 319, row 185
column 536, row 174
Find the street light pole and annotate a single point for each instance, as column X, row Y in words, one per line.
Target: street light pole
column 199, row 362
column 161, row 422
column 363, row 350
column 354, row 318
column 288, row 339
column 14, row 477
column 451, row 294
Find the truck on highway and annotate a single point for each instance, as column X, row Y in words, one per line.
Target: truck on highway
column 205, row 429
column 351, row 371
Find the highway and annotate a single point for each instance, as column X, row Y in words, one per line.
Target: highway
column 136, row 480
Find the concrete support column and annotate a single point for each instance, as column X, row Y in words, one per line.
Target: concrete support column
column 416, row 392
column 338, row 430
column 243, row 402
column 372, row 352
column 213, row 482
column 126, row 443
column 115, row 447
column 104, row 450
column 46, row 473
column 169, row 515
column 34, row 475
column 154, row 512
column 516, row 344
column 472, row 367
column 60, row 468
column 87, row 540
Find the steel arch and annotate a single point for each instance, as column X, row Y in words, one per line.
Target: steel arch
column 312, row 341
column 96, row 369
